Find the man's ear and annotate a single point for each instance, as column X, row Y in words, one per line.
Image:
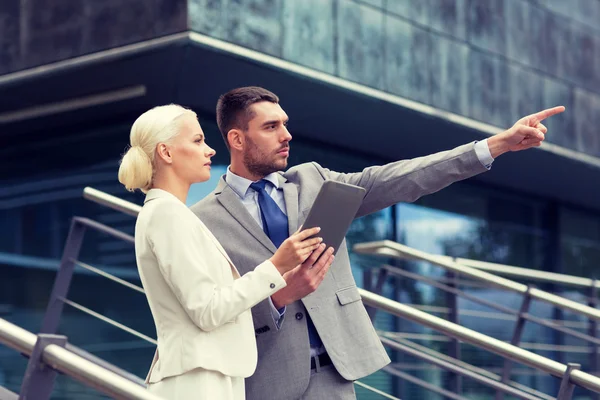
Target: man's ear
column 163, row 151
column 236, row 139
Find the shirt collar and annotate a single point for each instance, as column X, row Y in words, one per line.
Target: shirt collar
column 241, row 185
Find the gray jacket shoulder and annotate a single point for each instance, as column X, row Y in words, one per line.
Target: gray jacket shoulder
column 306, row 171
column 204, row 204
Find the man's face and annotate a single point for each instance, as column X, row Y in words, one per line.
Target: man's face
column 267, row 144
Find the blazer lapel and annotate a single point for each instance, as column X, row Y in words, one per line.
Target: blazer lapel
column 290, row 194
column 229, row 199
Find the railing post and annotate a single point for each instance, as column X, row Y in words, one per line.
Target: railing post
column 63, row 278
column 566, row 387
column 516, row 339
column 38, row 381
column 454, row 351
column 368, row 279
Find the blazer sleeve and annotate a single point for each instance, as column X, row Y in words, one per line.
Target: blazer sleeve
column 408, row 180
column 186, row 258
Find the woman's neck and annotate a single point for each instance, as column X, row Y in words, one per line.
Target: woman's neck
column 172, row 185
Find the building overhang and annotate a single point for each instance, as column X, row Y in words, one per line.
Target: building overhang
column 193, row 70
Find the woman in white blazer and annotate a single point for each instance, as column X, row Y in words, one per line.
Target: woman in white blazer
column 199, row 302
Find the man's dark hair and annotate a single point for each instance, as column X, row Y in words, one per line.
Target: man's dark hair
column 233, row 107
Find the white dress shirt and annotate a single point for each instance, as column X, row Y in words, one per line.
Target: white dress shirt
column 483, row 153
column 249, row 198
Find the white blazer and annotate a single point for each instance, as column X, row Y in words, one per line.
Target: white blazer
column 199, row 302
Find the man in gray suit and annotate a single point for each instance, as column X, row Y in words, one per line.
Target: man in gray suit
column 314, row 337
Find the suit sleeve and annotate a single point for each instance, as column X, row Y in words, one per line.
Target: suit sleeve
column 408, row 180
column 186, row 258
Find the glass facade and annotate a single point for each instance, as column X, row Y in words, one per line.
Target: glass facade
column 464, row 220
column 482, row 224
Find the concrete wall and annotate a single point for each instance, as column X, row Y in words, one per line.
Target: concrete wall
column 36, row 32
column 491, row 60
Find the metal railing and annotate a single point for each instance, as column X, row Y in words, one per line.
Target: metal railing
column 520, row 315
column 526, row 273
column 514, row 353
column 62, row 284
column 510, row 352
column 111, row 201
column 450, row 285
column 47, row 354
column 388, row 248
column 568, row 373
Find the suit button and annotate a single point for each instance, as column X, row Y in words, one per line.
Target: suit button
column 272, row 286
column 299, row 316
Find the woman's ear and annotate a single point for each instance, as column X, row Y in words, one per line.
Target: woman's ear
column 164, row 153
column 236, row 139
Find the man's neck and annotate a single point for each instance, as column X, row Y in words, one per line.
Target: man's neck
column 240, row 170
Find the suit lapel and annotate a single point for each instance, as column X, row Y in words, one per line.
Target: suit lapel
column 229, row 199
column 290, row 194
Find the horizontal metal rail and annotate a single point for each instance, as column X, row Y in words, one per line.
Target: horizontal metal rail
column 540, row 321
column 388, row 248
column 77, row 367
column 105, row 364
column 526, row 273
column 375, row 390
column 108, row 320
column 525, row 345
column 422, row 383
column 108, row 276
column 494, row 315
column 478, row 370
column 104, row 229
column 495, row 346
column 111, row 201
column 453, row 367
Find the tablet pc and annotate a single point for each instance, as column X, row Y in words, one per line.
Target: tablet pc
column 334, row 210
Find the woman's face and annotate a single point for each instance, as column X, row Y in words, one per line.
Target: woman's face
column 190, row 153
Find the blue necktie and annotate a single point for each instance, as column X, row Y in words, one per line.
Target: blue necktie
column 275, row 222
column 275, row 225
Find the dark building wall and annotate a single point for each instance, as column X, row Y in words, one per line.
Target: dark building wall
column 488, row 60
column 37, row 32
column 491, row 60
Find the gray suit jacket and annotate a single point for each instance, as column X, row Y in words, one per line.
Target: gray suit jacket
column 336, row 308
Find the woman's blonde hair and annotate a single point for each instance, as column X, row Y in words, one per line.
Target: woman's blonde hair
column 158, row 125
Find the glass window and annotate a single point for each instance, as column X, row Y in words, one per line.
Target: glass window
column 473, row 222
column 580, row 243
